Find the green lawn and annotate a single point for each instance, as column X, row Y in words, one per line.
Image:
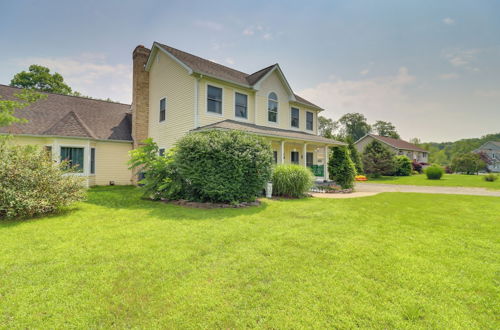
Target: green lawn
column 388, row 261
column 448, row 180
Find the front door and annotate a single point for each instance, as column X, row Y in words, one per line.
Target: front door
column 294, row 157
column 309, row 159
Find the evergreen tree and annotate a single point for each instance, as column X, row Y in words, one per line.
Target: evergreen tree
column 377, row 159
column 355, row 157
column 341, row 168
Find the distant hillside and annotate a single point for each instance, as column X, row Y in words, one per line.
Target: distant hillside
column 443, row 153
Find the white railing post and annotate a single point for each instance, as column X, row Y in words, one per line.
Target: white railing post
column 325, row 169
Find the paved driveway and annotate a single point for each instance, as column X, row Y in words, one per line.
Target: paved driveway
column 380, row 187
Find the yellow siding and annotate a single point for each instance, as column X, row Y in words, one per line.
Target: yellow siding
column 111, row 163
column 228, row 109
column 169, row 79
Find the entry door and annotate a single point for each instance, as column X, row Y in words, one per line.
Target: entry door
column 294, row 156
column 309, row 159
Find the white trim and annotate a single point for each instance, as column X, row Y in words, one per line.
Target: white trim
column 196, row 102
column 221, row 101
column 86, row 160
column 69, row 137
column 154, row 49
column 234, row 105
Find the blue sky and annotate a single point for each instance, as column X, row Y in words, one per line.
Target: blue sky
column 430, row 67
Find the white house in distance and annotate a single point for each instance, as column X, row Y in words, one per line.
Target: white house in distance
column 492, row 149
column 399, row 147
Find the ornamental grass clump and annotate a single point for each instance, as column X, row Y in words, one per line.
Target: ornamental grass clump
column 490, row 177
column 31, row 184
column 434, row 172
column 292, row 180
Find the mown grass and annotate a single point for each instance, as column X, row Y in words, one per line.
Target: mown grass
column 448, row 180
column 388, row 261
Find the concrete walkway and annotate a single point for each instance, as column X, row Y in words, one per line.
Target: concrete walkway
column 380, row 187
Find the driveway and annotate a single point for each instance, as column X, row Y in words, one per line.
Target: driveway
column 380, row 187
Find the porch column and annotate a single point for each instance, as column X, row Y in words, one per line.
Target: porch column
column 282, row 153
column 325, row 165
column 304, row 154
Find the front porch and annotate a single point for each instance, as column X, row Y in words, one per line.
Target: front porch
column 311, row 155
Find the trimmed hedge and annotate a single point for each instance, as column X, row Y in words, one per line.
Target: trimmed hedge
column 290, row 180
column 434, row 172
column 223, row 166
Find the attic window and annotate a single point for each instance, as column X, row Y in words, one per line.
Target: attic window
column 272, row 107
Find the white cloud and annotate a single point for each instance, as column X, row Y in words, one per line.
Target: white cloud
column 209, row 25
column 230, row 60
column 89, row 74
column 448, row 76
column 259, row 31
column 267, row 36
column 364, row 72
column 448, row 21
column 248, row 31
column 462, row 57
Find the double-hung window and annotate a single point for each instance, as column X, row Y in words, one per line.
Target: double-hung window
column 240, row 105
column 214, row 99
column 163, row 109
column 73, row 157
column 294, row 118
column 309, row 120
column 272, row 107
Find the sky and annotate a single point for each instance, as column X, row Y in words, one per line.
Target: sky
column 432, row 68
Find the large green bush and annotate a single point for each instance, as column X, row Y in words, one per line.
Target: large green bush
column 223, row 166
column 31, row 184
column 291, row 180
column 470, row 163
column 434, row 172
column 341, row 168
column 377, row 159
column 402, row 166
column 161, row 178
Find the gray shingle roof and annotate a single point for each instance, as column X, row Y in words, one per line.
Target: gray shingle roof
column 216, row 70
column 229, row 124
column 72, row 116
column 396, row 143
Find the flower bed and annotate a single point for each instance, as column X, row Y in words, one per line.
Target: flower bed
column 360, row 178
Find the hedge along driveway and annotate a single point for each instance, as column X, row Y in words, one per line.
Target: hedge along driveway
column 387, row 261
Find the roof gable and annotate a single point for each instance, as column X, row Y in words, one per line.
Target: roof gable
column 70, row 125
column 396, row 143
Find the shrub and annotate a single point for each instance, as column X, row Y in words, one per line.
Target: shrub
column 341, row 168
column 416, row 166
column 448, row 170
column 161, row 178
column 292, row 180
column 402, row 165
column 470, row 163
column 490, row 177
column 223, row 166
column 31, row 184
column 434, row 172
column 355, row 157
column 377, row 159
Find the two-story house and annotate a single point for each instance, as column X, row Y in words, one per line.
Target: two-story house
column 492, row 149
column 175, row 93
column 398, row 146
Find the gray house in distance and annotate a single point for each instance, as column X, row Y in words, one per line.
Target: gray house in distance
column 399, row 147
column 492, row 149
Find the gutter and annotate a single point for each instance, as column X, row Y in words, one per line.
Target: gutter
column 67, row 137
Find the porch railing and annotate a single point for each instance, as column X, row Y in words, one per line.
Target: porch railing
column 318, row 170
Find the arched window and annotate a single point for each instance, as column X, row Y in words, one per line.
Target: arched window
column 272, row 107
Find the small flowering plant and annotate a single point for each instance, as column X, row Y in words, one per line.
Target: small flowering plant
column 360, row 178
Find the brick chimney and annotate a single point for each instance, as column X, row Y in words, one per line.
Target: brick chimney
column 140, row 95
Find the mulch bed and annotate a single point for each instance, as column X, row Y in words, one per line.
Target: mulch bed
column 199, row 205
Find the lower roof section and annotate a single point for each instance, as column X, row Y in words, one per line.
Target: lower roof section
column 266, row 131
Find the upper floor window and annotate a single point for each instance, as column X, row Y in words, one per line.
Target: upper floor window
column 272, row 107
column 214, row 99
column 240, row 105
column 294, row 117
column 309, row 120
column 163, row 109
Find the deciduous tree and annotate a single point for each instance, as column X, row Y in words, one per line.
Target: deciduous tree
column 39, row 77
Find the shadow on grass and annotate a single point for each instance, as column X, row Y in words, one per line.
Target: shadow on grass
column 22, row 220
column 131, row 198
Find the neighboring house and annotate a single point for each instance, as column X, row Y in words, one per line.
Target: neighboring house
column 399, row 147
column 174, row 93
column 95, row 136
column 492, row 149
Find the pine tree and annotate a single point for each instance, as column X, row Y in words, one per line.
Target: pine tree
column 377, row 159
column 341, row 168
column 355, row 157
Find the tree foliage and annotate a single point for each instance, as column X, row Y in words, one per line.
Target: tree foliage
column 385, row 128
column 402, row 166
column 354, row 126
column 377, row 159
column 469, row 163
column 39, row 78
column 9, row 107
column 355, row 157
column 327, row 127
column 341, row 168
